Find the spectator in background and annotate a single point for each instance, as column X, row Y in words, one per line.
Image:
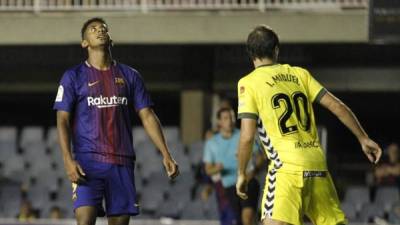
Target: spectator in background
column 55, row 213
column 26, row 212
column 220, row 159
column 388, row 172
column 218, row 103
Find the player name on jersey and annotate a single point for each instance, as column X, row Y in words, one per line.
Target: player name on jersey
column 283, row 78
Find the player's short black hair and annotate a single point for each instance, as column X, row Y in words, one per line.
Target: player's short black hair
column 88, row 22
column 261, row 43
column 222, row 110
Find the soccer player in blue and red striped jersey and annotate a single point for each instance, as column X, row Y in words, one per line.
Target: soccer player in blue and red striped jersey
column 95, row 104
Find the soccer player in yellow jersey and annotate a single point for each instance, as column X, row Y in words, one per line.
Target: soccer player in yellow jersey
column 276, row 100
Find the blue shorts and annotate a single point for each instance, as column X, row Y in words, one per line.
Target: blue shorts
column 113, row 183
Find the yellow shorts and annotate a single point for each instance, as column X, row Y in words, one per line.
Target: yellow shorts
column 288, row 196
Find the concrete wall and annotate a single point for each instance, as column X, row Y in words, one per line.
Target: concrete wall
column 187, row 27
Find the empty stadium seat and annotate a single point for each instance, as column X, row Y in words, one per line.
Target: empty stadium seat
column 171, row 134
column 194, row 210
column 13, row 165
column 211, row 207
column 370, row 211
column 39, row 165
column 8, row 142
column 52, row 138
column 358, row 196
column 39, row 196
column 152, row 197
column 349, row 210
column 139, row 136
column 170, row 208
column 386, row 196
column 32, row 137
column 196, row 152
column 10, row 193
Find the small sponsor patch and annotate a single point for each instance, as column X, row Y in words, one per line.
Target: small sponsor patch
column 307, row 174
column 60, row 94
column 242, row 89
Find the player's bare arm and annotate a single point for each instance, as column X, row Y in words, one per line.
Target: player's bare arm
column 73, row 169
column 213, row 168
column 152, row 125
column 247, row 132
column 347, row 117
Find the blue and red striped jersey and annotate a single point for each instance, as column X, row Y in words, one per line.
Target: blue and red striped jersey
column 102, row 104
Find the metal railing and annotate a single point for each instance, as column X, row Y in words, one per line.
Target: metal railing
column 157, row 5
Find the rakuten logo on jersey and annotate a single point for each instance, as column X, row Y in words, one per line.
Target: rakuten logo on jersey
column 105, row 102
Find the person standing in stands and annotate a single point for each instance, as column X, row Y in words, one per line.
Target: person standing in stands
column 220, row 161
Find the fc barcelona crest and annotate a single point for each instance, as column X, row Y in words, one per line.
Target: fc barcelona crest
column 119, row 81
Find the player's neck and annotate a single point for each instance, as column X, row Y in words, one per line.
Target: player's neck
column 100, row 59
column 263, row 62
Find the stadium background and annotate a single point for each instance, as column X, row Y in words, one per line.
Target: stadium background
column 191, row 54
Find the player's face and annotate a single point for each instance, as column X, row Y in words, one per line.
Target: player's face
column 96, row 35
column 226, row 121
column 393, row 152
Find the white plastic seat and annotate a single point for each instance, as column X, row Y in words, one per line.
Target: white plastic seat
column 358, row 196
column 387, row 196
column 349, row 210
column 32, row 136
column 8, row 142
column 171, row 134
column 193, row 211
column 196, row 152
column 139, row 136
column 370, row 211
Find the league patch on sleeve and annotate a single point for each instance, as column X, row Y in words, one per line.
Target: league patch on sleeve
column 60, row 94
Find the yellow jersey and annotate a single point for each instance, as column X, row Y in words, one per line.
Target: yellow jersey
column 280, row 97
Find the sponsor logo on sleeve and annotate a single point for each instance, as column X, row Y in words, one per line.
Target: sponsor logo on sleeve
column 60, row 94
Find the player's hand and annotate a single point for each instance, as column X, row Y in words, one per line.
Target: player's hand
column 74, row 171
column 171, row 167
column 371, row 150
column 241, row 186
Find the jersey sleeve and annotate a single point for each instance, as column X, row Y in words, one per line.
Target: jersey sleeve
column 66, row 95
column 208, row 156
column 247, row 107
column 315, row 90
column 141, row 97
